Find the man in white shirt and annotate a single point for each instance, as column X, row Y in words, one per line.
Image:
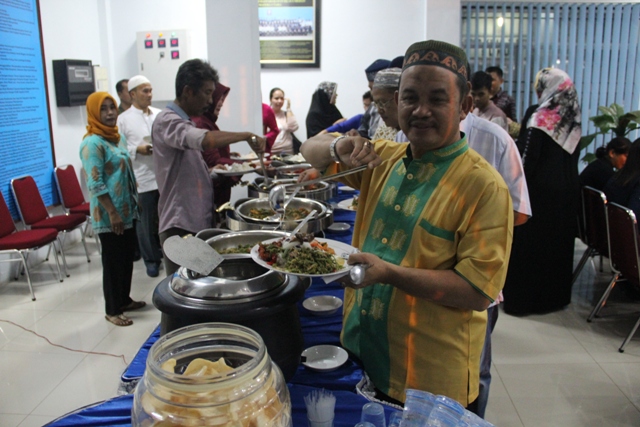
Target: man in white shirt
column 497, row 147
column 135, row 124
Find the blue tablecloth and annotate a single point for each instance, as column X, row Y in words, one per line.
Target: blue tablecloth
column 117, row 411
column 316, row 330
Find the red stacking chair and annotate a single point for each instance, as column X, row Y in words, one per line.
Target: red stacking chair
column 71, row 195
column 624, row 256
column 21, row 242
column 34, row 213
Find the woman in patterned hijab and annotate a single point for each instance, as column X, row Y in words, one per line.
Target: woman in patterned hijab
column 558, row 112
column 540, row 269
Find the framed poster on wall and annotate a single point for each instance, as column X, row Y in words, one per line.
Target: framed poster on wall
column 289, row 33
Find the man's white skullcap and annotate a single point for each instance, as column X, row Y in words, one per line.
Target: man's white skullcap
column 136, row 81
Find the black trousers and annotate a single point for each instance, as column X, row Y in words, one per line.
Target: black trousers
column 147, row 228
column 117, row 269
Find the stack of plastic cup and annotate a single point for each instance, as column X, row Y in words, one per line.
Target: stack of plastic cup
column 373, row 413
column 423, row 409
column 417, row 408
column 446, row 412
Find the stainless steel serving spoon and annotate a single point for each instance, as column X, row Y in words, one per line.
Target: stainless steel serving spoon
column 357, row 273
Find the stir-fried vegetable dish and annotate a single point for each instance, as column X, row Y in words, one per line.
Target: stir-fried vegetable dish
column 291, row 213
column 301, row 255
column 240, row 249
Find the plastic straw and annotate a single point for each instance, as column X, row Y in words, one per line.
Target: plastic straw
column 320, row 405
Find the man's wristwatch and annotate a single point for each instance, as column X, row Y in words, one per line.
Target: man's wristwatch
column 332, row 149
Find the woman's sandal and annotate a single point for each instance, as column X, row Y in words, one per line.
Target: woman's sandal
column 119, row 320
column 134, row 305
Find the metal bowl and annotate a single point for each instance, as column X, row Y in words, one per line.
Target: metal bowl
column 322, row 191
column 208, row 233
column 237, row 238
column 244, row 208
column 239, row 278
column 236, row 223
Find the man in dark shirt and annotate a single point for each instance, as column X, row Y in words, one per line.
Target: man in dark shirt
column 499, row 97
column 122, row 89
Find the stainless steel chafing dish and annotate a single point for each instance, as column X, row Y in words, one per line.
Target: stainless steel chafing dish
column 235, row 222
column 244, row 209
column 323, row 190
column 234, row 239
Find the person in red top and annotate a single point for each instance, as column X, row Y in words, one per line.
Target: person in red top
column 269, row 126
column 217, row 156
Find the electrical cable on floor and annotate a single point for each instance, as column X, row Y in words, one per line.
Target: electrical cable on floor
column 66, row 348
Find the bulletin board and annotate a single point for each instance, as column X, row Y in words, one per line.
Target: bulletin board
column 26, row 141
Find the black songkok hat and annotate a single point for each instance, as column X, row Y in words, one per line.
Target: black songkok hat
column 397, row 62
column 441, row 54
column 378, row 64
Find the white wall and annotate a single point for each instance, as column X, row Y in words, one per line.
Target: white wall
column 124, row 18
column 237, row 62
column 354, row 34
column 443, row 21
column 82, row 40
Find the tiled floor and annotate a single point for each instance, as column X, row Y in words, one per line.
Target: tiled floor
column 551, row 370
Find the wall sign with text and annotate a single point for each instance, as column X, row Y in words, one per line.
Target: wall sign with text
column 26, row 142
column 289, row 33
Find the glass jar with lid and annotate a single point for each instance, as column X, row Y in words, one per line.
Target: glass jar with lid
column 187, row 384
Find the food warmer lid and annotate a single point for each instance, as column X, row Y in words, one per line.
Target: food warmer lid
column 234, row 279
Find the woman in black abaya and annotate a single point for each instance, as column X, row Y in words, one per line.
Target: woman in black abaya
column 323, row 111
column 541, row 264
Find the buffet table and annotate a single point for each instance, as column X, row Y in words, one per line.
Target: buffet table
column 316, row 330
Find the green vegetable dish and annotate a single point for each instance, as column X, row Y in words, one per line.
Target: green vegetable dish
column 317, row 259
column 240, row 249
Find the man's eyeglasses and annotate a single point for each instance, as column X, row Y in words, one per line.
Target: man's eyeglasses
column 382, row 105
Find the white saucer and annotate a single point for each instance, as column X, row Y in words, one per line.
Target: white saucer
column 324, row 358
column 322, row 305
column 339, row 226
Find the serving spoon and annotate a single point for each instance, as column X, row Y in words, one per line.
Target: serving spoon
column 357, row 273
column 304, row 222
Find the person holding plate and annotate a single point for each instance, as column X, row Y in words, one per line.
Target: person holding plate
column 435, row 225
column 217, row 158
column 184, row 181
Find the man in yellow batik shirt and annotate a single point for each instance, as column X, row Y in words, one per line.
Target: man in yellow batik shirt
column 435, row 224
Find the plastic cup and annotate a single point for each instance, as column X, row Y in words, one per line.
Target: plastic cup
column 373, row 413
column 364, row 424
column 395, row 418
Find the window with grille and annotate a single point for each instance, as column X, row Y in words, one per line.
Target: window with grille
column 596, row 44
